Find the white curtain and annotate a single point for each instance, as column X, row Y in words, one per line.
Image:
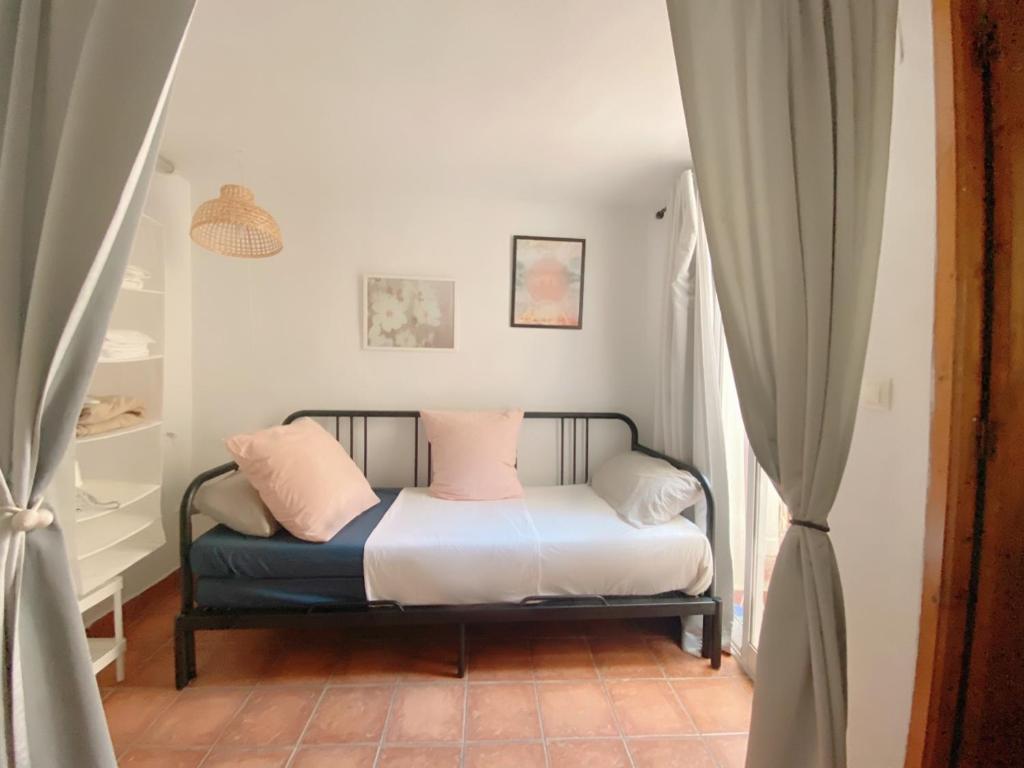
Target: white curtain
column 788, row 106
column 688, row 404
column 83, row 86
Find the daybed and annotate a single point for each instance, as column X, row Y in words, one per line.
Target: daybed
column 560, row 553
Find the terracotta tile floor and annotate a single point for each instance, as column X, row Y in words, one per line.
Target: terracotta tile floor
column 587, row 695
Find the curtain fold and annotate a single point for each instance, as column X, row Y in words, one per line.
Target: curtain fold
column 688, row 403
column 83, row 89
column 788, row 106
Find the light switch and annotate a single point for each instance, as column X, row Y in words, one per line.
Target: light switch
column 877, row 393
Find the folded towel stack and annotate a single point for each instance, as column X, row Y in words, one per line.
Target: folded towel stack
column 135, row 278
column 124, row 345
column 106, row 413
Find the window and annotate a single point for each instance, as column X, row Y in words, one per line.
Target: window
column 757, row 522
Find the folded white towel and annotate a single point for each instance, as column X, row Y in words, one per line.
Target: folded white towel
column 136, row 272
column 116, row 336
column 135, row 277
column 125, row 344
column 125, row 353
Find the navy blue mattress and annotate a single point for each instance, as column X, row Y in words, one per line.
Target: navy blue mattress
column 238, row 571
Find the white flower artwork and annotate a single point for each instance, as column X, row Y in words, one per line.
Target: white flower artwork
column 408, row 313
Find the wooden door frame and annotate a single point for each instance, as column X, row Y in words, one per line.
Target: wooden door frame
column 962, row 366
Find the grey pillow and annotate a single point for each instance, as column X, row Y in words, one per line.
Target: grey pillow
column 232, row 501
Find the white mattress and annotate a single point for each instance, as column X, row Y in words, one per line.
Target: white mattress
column 560, row 540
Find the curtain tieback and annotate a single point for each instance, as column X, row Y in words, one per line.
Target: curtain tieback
column 808, row 524
column 30, row 518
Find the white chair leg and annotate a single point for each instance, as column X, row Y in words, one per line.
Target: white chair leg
column 119, row 635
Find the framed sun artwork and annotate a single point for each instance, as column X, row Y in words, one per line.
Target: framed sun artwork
column 408, row 313
column 547, row 282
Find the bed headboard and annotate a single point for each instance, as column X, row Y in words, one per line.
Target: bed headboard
column 573, row 438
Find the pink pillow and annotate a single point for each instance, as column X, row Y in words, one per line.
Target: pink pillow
column 304, row 476
column 474, row 454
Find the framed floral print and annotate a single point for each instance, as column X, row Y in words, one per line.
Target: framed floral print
column 547, row 282
column 408, row 313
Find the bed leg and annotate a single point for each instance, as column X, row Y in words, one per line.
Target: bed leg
column 184, row 655
column 190, row 650
column 462, row 650
column 711, row 642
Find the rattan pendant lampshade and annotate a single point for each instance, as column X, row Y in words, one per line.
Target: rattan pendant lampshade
column 233, row 225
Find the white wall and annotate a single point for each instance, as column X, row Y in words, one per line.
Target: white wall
column 275, row 335
column 878, row 518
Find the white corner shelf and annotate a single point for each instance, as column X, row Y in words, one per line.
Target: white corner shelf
column 130, row 360
column 127, row 465
column 118, row 432
column 124, row 492
column 104, row 650
column 150, row 291
column 96, row 570
column 99, row 534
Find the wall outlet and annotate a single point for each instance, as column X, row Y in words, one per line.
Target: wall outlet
column 877, row 393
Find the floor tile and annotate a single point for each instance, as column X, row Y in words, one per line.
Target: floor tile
column 196, row 718
column 420, row 757
column 584, row 753
column 500, row 660
column 302, row 663
column 729, row 751
column 678, row 663
column 563, row 659
column 271, row 716
column 248, row 758
column 151, row 630
column 228, row 664
column 130, row 711
column 150, row 669
column 134, row 660
column 151, row 757
column 348, row 756
column 427, row 713
column 505, row 756
column 671, row 753
column 244, row 640
column 502, row 712
column 427, row 661
column 392, row 701
column 648, row 708
column 719, row 705
column 575, row 709
column 624, row 657
column 349, row 714
column 368, row 662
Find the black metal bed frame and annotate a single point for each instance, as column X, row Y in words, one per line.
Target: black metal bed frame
column 390, row 613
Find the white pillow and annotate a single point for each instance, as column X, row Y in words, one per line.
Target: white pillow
column 644, row 490
column 232, row 501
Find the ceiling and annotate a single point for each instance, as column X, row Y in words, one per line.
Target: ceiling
column 532, row 99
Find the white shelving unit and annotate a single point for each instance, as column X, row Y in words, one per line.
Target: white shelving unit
column 122, row 467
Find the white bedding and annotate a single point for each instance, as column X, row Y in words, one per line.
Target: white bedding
column 560, row 540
